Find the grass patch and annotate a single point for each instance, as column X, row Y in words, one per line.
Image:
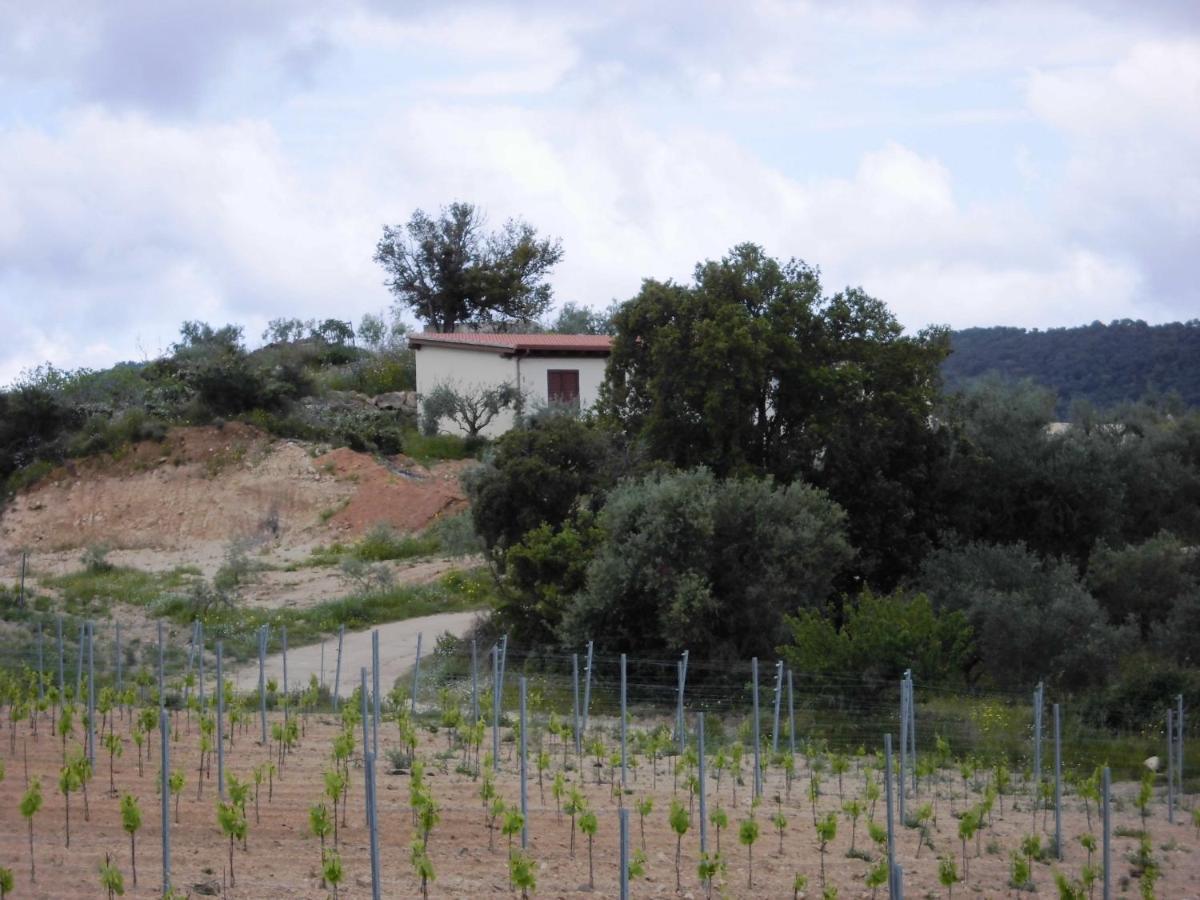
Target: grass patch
column 448, row 536
column 433, row 448
column 383, row 543
column 92, row 592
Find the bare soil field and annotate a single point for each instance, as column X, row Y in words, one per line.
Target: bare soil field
column 281, row 860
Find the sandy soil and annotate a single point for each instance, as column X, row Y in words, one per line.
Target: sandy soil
column 281, row 860
column 397, row 653
column 204, row 487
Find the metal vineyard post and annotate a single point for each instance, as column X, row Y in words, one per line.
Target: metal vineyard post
column 164, row 730
column 778, row 699
column 587, row 688
column 891, row 822
column 375, row 721
column 703, row 789
column 524, row 772
column 337, row 672
column 1106, row 787
column 623, row 704
column 1058, row 848
column 262, row 681
column 220, row 722
column 757, row 741
column 416, row 675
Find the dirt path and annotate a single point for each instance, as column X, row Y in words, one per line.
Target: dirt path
column 397, row 652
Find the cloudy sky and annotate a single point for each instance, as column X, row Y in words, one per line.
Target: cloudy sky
column 1027, row 164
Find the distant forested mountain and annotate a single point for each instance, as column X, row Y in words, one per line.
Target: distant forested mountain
column 1104, row 364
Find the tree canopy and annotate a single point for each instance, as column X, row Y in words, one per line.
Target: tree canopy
column 752, row 369
column 450, row 272
column 1100, row 364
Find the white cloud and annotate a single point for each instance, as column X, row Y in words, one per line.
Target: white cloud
column 119, row 225
column 647, row 138
column 1131, row 185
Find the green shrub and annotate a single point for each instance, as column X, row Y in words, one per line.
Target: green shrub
column 376, row 374
column 104, row 434
column 27, row 476
column 95, row 559
column 383, row 542
column 456, row 535
column 878, row 638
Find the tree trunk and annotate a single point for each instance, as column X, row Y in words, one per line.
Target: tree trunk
column 133, row 856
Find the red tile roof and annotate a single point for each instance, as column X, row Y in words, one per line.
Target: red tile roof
column 512, row 343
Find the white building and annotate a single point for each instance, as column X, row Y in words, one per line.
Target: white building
column 547, row 368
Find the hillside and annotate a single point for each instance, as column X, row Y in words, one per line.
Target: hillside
column 208, row 484
column 1103, row 364
column 171, row 516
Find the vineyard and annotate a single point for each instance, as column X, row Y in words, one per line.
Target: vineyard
column 726, row 780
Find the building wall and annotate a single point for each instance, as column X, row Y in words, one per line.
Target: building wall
column 466, row 370
column 470, row 369
column 534, row 370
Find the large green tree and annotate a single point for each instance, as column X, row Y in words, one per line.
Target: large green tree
column 752, row 369
column 450, row 272
column 538, row 475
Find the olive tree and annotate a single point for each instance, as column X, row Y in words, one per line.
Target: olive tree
column 688, row 560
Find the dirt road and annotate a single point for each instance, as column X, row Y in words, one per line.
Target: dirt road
column 397, row 652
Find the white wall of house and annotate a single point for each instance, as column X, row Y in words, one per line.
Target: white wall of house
column 466, row 370
column 473, row 369
column 534, row 377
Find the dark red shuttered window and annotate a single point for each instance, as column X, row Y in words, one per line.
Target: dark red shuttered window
column 562, row 386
